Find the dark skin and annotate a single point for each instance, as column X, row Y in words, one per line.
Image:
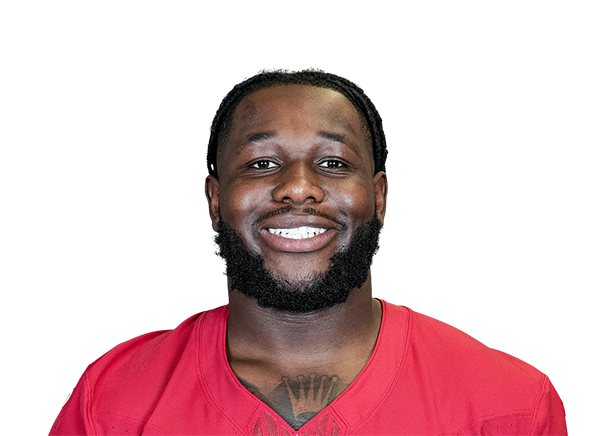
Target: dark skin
column 303, row 147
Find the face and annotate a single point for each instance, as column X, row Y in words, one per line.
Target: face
column 296, row 179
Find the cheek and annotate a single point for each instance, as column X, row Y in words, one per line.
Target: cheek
column 357, row 200
column 239, row 201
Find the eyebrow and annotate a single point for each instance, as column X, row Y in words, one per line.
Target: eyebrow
column 339, row 138
column 333, row 137
column 261, row 136
column 253, row 139
column 265, row 136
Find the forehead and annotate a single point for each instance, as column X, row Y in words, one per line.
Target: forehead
column 297, row 107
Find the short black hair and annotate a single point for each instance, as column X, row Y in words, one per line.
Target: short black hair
column 221, row 125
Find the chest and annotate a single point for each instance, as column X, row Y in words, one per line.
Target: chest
column 297, row 396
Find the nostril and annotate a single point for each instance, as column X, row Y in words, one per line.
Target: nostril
column 290, row 200
column 298, row 194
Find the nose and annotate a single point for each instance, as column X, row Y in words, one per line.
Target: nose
column 298, row 185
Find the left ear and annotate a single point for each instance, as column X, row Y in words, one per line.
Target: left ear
column 381, row 188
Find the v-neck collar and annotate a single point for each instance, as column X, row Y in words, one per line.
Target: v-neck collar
column 245, row 411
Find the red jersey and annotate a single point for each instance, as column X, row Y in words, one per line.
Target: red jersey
column 424, row 378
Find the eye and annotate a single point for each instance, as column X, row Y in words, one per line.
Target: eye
column 263, row 165
column 332, row 164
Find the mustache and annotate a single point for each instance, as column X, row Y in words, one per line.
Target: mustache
column 305, row 211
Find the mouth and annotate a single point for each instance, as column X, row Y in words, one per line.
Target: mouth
column 302, row 239
column 303, row 232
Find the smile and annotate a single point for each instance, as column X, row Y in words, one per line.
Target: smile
column 303, row 232
column 301, row 239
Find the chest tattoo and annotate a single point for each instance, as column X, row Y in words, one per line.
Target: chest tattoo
column 298, row 399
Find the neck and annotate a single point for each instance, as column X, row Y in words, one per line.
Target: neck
column 277, row 356
column 258, row 334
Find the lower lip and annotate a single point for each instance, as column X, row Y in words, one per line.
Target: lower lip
column 298, row 245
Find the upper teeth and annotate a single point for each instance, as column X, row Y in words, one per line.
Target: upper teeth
column 298, row 233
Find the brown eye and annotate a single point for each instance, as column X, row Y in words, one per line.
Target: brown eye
column 263, row 165
column 332, row 164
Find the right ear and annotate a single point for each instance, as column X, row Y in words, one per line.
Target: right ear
column 211, row 189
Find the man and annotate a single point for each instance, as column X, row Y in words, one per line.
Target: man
column 297, row 193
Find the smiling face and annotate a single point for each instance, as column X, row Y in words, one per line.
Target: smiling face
column 296, row 178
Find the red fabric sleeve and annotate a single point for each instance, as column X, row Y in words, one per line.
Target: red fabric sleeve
column 73, row 418
column 549, row 416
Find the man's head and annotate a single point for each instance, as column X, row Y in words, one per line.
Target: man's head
column 295, row 183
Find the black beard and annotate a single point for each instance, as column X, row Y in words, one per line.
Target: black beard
column 349, row 269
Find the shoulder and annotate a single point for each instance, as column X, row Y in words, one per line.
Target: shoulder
column 122, row 387
column 154, row 352
column 453, row 375
column 142, row 350
column 458, row 355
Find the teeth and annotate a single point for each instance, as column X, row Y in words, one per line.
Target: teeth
column 298, row 233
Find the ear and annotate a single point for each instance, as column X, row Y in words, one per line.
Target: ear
column 381, row 188
column 211, row 189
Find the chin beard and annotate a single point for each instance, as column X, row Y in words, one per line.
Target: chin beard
column 348, row 270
